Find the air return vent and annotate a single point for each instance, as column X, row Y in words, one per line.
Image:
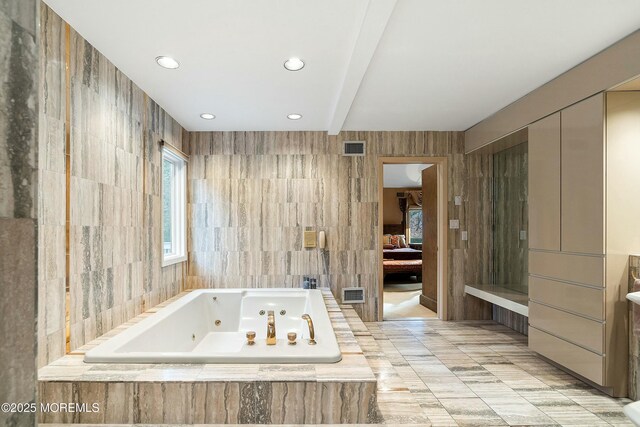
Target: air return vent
column 353, row 148
column 352, row 295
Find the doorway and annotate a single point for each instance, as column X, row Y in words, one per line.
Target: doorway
column 412, row 235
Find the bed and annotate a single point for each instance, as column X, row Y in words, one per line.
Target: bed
column 402, row 254
column 412, row 267
column 402, row 261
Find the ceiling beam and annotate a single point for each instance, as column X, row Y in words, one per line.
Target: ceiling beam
column 371, row 30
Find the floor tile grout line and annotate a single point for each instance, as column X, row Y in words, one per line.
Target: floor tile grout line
column 505, row 347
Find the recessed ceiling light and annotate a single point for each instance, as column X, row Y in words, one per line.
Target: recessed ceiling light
column 294, row 64
column 207, row 116
column 294, row 116
column 167, row 62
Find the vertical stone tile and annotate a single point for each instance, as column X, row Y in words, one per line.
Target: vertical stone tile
column 18, row 205
column 115, row 190
column 300, row 180
column 222, row 403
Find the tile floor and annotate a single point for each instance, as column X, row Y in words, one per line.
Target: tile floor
column 402, row 301
column 474, row 374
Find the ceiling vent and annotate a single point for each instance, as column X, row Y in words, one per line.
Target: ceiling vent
column 352, row 295
column 353, row 148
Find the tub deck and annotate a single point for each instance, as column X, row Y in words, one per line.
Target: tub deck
column 331, row 393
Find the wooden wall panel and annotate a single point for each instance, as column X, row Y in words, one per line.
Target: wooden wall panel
column 544, row 183
column 608, row 68
column 583, row 177
column 634, row 342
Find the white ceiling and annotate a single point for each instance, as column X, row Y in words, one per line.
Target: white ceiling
column 403, row 176
column 371, row 64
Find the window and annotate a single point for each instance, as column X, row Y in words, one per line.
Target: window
column 174, row 199
column 415, row 225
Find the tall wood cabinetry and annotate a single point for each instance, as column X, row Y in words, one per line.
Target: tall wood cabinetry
column 583, row 191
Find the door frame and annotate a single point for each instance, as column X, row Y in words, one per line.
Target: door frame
column 441, row 163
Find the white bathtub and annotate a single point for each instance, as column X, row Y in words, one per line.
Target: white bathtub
column 185, row 331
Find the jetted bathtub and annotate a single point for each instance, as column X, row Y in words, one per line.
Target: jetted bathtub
column 210, row 326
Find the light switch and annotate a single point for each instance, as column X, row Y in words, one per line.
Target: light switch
column 457, row 200
column 454, row 224
column 523, row 234
column 464, row 235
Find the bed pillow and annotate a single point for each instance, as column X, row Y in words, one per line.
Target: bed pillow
column 399, row 241
column 386, row 239
column 385, row 246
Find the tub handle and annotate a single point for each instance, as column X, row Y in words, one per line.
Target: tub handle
column 312, row 332
column 251, row 336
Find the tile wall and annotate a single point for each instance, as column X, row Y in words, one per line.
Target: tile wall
column 18, row 205
column 114, row 210
column 252, row 194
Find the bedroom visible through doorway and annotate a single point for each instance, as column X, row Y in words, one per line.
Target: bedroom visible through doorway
column 409, row 234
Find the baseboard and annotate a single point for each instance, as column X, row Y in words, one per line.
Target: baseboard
column 430, row 303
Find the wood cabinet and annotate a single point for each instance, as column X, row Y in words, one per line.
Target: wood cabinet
column 582, row 158
column 583, row 191
column 544, row 183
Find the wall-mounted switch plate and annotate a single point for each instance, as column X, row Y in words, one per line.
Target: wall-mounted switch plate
column 454, row 224
column 457, row 200
column 310, row 239
column 464, row 235
column 523, row 234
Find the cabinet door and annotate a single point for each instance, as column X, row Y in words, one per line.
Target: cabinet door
column 544, row 184
column 583, row 177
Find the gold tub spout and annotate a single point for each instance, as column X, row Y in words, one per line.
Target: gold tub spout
column 312, row 332
column 271, row 328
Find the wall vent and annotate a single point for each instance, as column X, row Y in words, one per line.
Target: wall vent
column 352, row 295
column 353, row 148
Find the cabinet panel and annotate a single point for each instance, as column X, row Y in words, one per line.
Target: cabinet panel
column 585, row 269
column 579, row 330
column 583, row 362
column 575, row 298
column 544, row 183
column 582, row 145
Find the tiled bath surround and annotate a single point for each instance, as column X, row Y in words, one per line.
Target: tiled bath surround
column 428, row 373
column 343, row 392
column 253, row 193
column 18, row 205
column 114, row 190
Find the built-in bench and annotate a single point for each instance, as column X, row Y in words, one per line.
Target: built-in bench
column 517, row 302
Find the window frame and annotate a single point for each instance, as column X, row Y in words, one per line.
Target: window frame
column 178, row 208
column 419, row 209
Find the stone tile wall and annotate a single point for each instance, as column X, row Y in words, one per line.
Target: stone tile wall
column 114, row 162
column 18, row 206
column 252, row 194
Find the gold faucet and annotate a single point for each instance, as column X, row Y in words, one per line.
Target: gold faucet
column 271, row 328
column 312, row 332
